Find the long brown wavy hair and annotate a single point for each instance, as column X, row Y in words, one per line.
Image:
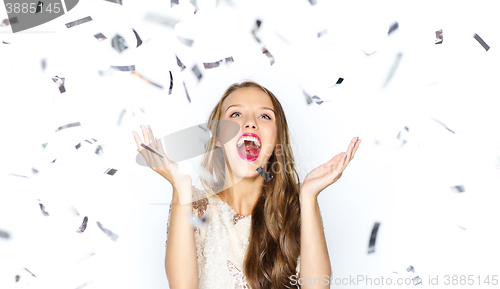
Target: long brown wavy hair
column 274, row 244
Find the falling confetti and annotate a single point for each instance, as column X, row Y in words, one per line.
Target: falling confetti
column 180, row 64
column 4, row 234
column 78, row 22
column 269, row 55
column 110, row 234
column 75, row 124
column 443, row 125
column 83, row 226
column 373, row 237
column 42, row 208
column 60, row 83
column 417, row 281
column 171, row 83
column 110, row 171
column 410, row 269
column 458, row 189
column 187, row 94
column 118, row 43
column 197, row 72
column 481, row 41
column 265, row 175
column 393, row 28
column 256, row 29
column 100, row 37
column 439, row 37
column 139, row 40
column 209, row 65
column 394, row 67
column 152, row 150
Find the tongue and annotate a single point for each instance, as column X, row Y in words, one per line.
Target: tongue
column 248, row 150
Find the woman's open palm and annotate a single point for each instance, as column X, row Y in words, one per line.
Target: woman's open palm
column 163, row 166
column 328, row 173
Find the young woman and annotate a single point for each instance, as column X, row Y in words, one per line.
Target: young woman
column 259, row 234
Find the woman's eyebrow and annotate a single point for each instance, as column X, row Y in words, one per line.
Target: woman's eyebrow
column 263, row 107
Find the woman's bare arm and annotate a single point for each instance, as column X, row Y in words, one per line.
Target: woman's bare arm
column 314, row 259
column 181, row 263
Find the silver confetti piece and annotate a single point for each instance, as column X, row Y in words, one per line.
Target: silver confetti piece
column 256, row 29
column 317, row 100
column 83, row 226
column 393, row 28
column 110, row 234
column 308, row 98
column 410, row 269
column 118, row 43
column 60, row 83
column 180, row 64
column 124, row 67
column 152, row 150
column 110, row 171
column 74, row 124
column 417, row 281
column 394, row 67
column 321, row 33
column 197, row 72
column 78, row 22
column 17, row 278
column 78, row 145
column 39, row 7
column 187, row 94
column 373, row 238
column 443, row 125
column 26, row 269
column 44, row 145
column 139, row 40
column 171, row 83
column 313, row 2
column 42, row 208
column 269, row 55
column 265, row 175
column 439, row 37
column 4, row 234
column 100, row 37
column 481, row 41
column 98, row 150
column 458, row 189
column 209, row 65
column 174, row 2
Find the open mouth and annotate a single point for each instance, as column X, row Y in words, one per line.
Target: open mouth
column 248, row 146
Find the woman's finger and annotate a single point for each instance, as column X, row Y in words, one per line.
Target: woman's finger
column 152, row 136
column 145, row 133
column 356, row 148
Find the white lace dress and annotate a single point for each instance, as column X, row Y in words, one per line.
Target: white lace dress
column 221, row 244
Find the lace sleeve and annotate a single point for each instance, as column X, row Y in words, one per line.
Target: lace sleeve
column 200, row 203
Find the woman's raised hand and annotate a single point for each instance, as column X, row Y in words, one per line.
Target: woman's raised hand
column 163, row 166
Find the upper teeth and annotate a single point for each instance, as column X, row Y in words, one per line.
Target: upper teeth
column 249, row 138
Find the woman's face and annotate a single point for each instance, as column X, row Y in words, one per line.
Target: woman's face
column 253, row 111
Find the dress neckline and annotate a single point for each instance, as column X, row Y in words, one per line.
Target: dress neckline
column 231, row 208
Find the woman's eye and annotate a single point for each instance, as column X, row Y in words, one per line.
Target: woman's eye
column 268, row 117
